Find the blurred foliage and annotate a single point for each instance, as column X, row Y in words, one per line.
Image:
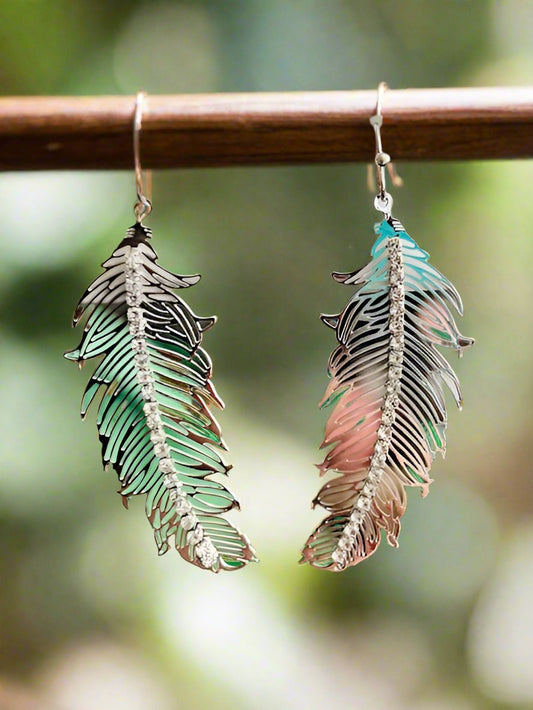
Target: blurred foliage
column 89, row 616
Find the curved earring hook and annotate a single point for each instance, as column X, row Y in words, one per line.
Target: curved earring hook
column 383, row 200
column 143, row 206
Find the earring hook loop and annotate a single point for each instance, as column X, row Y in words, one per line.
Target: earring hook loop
column 383, row 201
column 143, row 206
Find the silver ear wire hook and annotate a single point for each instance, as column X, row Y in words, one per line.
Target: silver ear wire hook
column 383, row 200
column 143, row 206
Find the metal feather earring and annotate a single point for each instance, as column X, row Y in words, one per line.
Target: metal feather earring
column 153, row 419
column 386, row 389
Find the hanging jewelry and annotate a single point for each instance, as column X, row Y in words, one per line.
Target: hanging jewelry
column 386, row 389
column 153, row 419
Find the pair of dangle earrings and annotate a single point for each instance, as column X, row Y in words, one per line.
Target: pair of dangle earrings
column 388, row 417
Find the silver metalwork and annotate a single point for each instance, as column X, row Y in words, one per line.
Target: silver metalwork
column 154, row 416
column 143, row 206
column 383, row 200
column 386, row 387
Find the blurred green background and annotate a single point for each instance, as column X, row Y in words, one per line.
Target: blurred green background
column 90, row 617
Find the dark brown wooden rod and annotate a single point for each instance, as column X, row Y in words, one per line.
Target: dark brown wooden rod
column 201, row 130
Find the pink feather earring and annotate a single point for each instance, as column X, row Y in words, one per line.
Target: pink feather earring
column 387, row 389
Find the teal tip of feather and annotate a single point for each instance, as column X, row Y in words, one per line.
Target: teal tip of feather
column 380, row 227
column 72, row 355
column 384, row 228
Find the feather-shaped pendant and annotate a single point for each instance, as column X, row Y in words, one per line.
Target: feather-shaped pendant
column 154, row 422
column 386, row 389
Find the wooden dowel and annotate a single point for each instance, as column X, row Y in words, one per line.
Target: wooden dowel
column 55, row 133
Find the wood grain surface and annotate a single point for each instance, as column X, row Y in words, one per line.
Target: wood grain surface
column 197, row 130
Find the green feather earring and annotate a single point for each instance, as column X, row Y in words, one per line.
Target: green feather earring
column 153, row 420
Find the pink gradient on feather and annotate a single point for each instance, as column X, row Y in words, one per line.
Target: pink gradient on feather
column 434, row 317
column 353, row 428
